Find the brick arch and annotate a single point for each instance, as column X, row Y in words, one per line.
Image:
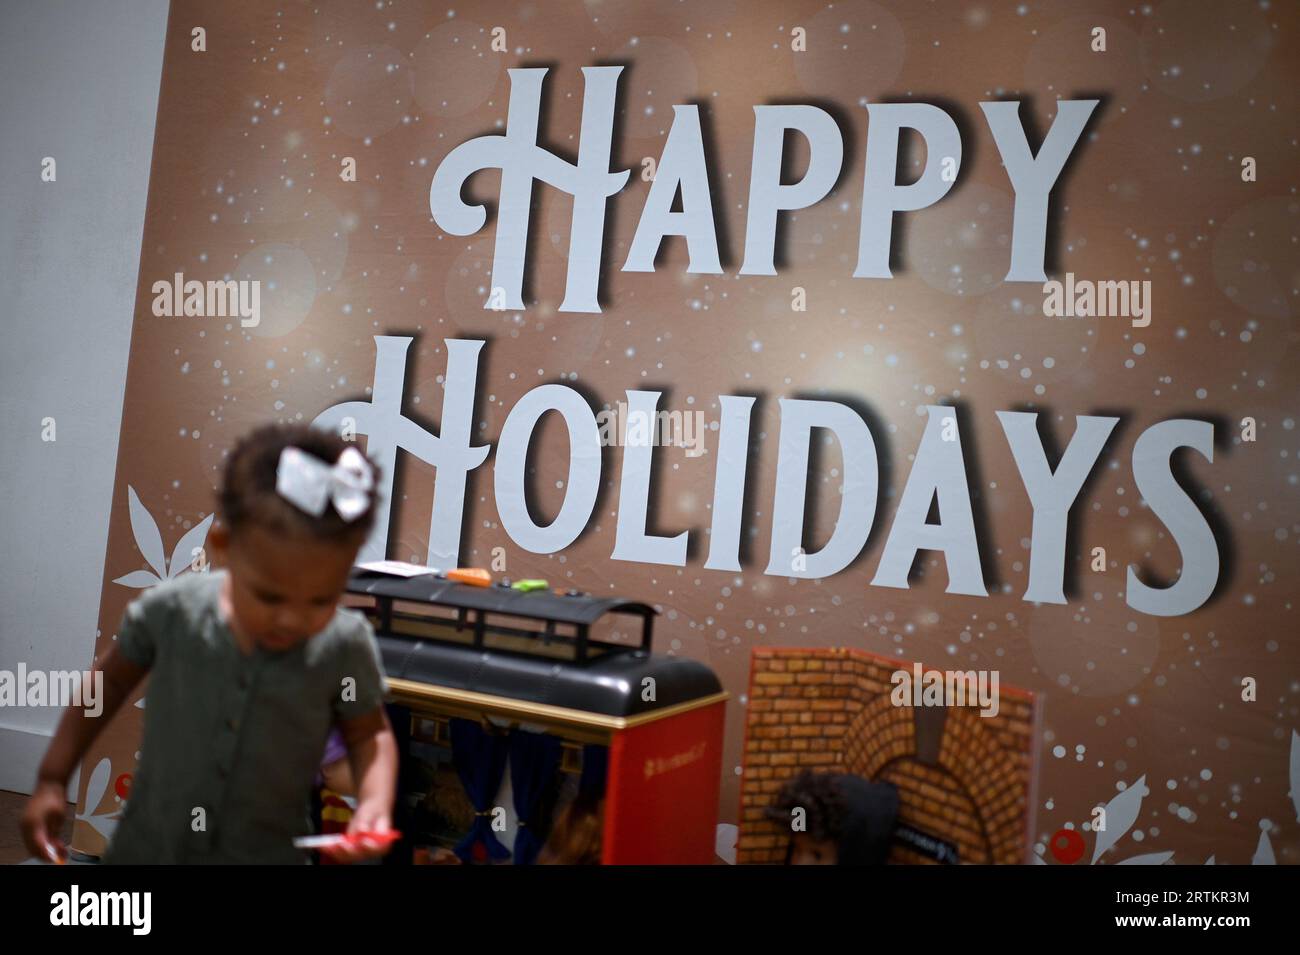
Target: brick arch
column 878, row 735
column 955, row 781
column 965, row 777
column 971, row 753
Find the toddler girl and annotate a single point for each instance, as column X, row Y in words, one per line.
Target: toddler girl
column 249, row 667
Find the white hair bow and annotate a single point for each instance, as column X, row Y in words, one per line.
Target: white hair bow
column 309, row 483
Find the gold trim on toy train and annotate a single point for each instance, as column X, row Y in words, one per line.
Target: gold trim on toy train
column 593, row 727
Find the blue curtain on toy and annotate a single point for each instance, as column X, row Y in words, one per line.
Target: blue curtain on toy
column 534, row 757
column 595, row 763
column 480, row 761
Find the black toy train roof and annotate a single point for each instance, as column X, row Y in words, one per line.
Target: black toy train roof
column 570, row 608
column 609, row 683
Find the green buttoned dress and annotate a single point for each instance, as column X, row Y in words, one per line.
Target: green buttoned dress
column 232, row 741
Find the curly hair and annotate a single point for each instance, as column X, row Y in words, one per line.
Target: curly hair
column 821, row 799
column 248, row 496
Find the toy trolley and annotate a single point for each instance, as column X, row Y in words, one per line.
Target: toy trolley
column 550, row 682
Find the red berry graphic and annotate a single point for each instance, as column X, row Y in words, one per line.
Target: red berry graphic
column 123, row 785
column 1067, row 846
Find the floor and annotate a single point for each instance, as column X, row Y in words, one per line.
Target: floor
column 12, row 850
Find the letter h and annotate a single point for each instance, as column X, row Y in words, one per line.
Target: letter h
column 521, row 161
column 387, row 429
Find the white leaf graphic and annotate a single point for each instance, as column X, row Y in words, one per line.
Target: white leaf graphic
column 140, row 703
column 724, row 842
column 95, row 790
column 193, row 538
column 146, row 533
column 1154, row 858
column 1039, row 860
column 1210, row 861
column 1264, row 852
column 138, row 579
column 98, row 784
column 1295, row 773
column 1121, row 813
column 103, row 824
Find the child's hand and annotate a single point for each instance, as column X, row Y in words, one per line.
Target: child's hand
column 365, row 819
column 43, row 821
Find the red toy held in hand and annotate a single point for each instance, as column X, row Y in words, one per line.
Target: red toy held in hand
column 332, row 842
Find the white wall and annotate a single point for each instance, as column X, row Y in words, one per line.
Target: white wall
column 78, row 81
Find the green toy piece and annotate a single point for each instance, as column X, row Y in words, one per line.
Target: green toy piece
column 529, row 585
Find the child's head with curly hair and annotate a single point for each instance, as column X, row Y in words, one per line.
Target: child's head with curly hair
column 296, row 504
column 836, row 819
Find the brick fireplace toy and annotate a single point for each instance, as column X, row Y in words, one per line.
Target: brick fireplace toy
column 965, row 780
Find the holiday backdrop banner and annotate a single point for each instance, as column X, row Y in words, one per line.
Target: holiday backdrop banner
column 960, row 334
